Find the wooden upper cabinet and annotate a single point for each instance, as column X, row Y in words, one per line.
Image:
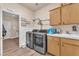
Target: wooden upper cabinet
column 53, row 46
column 70, row 14
column 75, row 13
column 69, row 47
column 66, row 10
column 55, row 16
column 67, row 14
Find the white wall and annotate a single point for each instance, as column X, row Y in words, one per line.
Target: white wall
column 43, row 13
column 68, row 28
column 11, row 25
column 24, row 12
column 18, row 9
column 0, row 29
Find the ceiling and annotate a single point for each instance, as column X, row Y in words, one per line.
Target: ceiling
column 34, row 6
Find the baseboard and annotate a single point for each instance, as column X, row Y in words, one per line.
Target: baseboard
column 11, row 38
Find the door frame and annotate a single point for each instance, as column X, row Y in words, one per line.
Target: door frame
column 12, row 12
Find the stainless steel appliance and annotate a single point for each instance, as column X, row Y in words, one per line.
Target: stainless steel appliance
column 40, row 41
column 29, row 39
column 37, row 40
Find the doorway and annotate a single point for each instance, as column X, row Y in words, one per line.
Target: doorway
column 10, row 31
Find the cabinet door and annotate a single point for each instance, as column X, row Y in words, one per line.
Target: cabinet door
column 70, row 14
column 55, row 16
column 69, row 47
column 75, row 13
column 66, row 14
column 69, row 50
column 53, row 46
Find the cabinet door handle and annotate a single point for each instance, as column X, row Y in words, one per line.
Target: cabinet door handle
column 63, row 22
column 62, row 44
column 58, row 43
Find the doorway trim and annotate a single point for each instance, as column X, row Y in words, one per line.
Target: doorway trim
column 15, row 13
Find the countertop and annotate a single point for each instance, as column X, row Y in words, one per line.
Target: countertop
column 71, row 36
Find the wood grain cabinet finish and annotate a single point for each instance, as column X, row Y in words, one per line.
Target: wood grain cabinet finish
column 75, row 13
column 69, row 47
column 53, row 46
column 55, row 17
column 70, row 14
column 62, row 46
column 66, row 14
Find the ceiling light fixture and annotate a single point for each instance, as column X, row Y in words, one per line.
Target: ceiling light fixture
column 36, row 4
